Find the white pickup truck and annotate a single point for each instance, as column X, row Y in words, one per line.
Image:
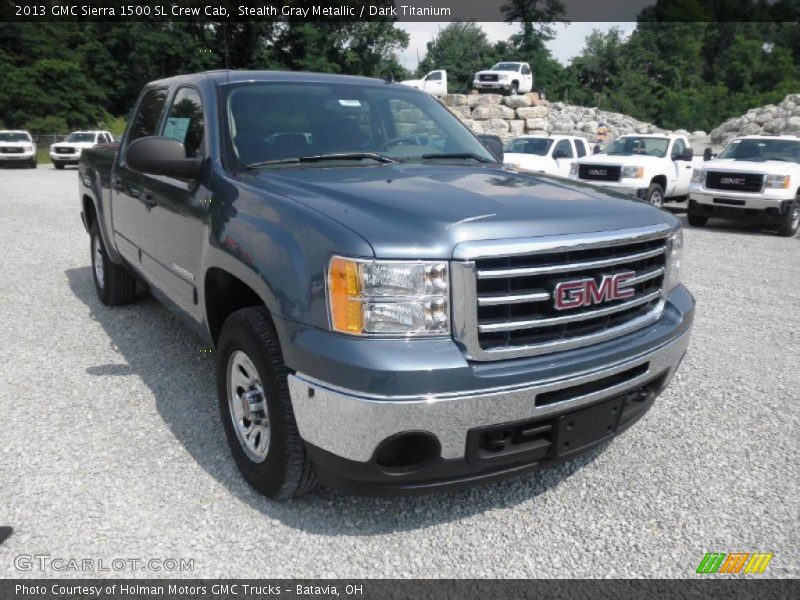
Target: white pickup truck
column 551, row 154
column 653, row 167
column 755, row 178
column 69, row 151
column 17, row 147
column 435, row 83
column 508, row 77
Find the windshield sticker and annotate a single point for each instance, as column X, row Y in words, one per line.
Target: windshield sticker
column 176, row 128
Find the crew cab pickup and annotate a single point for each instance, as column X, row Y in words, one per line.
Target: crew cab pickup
column 551, row 154
column 654, row 167
column 390, row 313
column 69, row 151
column 435, row 83
column 17, row 147
column 507, row 77
column 755, row 179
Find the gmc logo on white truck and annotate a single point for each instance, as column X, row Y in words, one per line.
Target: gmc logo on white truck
column 585, row 292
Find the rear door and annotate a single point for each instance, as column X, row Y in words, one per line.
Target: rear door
column 174, row 224
column 128, row 197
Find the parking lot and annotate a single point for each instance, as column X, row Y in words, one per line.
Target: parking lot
column 111, row 445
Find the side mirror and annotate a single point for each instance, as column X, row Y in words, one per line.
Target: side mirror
column 707, row 154
column 161, row 156
column 560, row 154
column 596, row 149
column 493, row 144
column 687, row 155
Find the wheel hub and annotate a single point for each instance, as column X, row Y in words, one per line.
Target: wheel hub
column 247, row 405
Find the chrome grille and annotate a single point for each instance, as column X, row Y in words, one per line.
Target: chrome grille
column 514, row 311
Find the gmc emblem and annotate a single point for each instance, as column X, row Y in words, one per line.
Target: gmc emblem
column 733, row 180
column 602, row 172
column 585, row 292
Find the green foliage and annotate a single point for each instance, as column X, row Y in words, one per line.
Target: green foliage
column 461, row 49
column 85, row 72
column 47, row 125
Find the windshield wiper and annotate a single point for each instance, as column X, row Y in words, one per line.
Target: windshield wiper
column 471, row 155
column 323, row 157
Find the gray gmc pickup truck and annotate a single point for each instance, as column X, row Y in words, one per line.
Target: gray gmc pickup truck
column 392, row 309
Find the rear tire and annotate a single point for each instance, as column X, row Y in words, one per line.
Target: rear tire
column 58, row 166
column 791, row 222
column 655, row 195
column 114, row 284
column 697, row 220
column 270, row 455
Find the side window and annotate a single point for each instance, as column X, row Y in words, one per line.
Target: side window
column 185, row 121
column 678, row 148
column 580, row 147
column 563, row 150
column 146, row 120
column 435, row 76
column 526, row 70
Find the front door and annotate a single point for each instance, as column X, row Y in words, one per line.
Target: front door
column 128, row 204
column 175, row 222
column 683, row 169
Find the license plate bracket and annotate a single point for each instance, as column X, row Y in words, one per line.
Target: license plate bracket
column 585, row 427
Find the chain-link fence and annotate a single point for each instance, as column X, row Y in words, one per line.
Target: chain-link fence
column 43, row 140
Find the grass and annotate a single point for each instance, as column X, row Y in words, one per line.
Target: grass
column 43, row 156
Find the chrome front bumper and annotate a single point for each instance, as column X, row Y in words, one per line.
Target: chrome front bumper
column 352, row 424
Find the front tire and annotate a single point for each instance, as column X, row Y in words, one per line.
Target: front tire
column 514, row 89
column 697, row 220
column 256, row 408
column 114, row 284
column 655, row 195
column 791, row 222
column 58, row 166
column 32, row 164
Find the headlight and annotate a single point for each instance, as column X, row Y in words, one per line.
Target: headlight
column 630, row 172
column 698, row 176
column 28, row 148
column 573, row 170
column 675, row 248
column 372, row 297
column 504, row 76
column 778, row 182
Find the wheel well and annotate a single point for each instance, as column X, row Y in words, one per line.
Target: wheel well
column 661, row 180
column 89, row 211
column 224, row 295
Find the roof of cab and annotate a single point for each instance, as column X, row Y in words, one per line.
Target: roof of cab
column 223, row 77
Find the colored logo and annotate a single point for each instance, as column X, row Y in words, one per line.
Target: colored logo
column 585, row 292
column 736, row 562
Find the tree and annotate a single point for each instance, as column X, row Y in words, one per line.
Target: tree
column 460, row 48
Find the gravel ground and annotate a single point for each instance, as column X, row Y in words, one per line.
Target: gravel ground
column 111, row 445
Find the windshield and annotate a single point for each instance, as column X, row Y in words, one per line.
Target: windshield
column 279, row 123
column 537, row 146
column 647, row 146
column 10, row 136
column 80, row 137
column 762, row 150
column 505, row 67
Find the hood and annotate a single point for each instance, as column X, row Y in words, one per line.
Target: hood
column 619, row 159
column 424, row 211
column 768, row 167
column 412, row 82
column 73, row 145
column 15, row 144
column 532, row 162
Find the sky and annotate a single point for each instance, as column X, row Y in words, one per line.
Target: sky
column 567, row 43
